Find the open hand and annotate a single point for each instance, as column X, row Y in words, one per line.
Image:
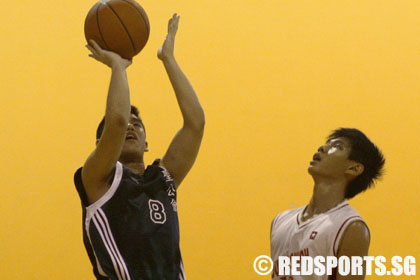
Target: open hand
column 167, row 49
column 108, row 58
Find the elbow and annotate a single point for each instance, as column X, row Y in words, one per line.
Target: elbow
column 201, row 122
column 197, row 123
column 117, row 120
column 200, row 126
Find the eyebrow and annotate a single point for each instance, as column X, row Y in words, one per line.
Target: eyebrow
column 135, row 120
column 336, row 140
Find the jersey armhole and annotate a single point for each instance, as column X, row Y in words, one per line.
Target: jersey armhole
column 165, row 171
column 91, row 209
column 342, row 229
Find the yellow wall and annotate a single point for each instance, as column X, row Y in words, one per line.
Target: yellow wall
column 274, row 77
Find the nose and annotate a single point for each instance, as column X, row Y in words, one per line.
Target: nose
column 321, row 149
column 130, row 126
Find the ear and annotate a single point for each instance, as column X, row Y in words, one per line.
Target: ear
column 146, row 147
column 355, row 169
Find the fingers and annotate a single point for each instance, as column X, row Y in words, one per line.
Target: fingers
column 94, row 48
column 94, row 57
column 175, row 17
column 91, row 49
column 95, row 45
column 173, row 24
column 171, row 20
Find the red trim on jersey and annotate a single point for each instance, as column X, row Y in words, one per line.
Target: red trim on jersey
column 328, row 212
column 338, row 233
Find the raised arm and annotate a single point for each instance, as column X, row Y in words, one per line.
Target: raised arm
column 98, row 169
column 183, row 149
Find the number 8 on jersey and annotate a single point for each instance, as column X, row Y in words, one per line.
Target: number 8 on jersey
column 157, row 211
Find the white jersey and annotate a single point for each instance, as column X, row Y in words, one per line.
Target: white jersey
column 318, row 236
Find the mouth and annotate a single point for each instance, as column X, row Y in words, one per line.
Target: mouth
column 130, row 136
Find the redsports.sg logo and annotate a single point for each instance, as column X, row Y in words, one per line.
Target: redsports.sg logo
column 305, row 265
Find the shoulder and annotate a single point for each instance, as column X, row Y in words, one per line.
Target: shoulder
column 168, row 176
column 156, row 177
column 350, row 219
column 352, row 230
column 78, row 176
column 286, row 215
column 357, row 228
column 157, row 168
column 80, row 187
column 114, row 185
column 344, row 215
column 350, row 210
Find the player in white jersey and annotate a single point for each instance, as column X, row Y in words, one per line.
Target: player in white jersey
column 345, row 166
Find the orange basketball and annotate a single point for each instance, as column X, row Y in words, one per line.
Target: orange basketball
column 120, row 26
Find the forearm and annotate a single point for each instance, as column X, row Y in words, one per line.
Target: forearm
column 191, row 110
column 183, row 150
column 118, row 100
column 99, row 166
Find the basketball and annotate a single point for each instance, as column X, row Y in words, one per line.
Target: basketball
column 121, row 26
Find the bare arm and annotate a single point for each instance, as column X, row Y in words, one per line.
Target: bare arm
column 98, row 168
column 355, row 242
column 183, row 149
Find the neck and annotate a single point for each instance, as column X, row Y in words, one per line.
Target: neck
column 136, row 167
column 326, row 195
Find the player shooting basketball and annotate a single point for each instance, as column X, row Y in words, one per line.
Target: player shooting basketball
column 130, row 222
column 345, row 166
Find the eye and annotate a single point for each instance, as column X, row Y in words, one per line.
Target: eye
column 136, row 125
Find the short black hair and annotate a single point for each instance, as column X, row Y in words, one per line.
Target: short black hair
column 365, row 152
column 101, row 125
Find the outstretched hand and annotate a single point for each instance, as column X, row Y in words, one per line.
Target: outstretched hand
column 167, row 49
column 108, row 58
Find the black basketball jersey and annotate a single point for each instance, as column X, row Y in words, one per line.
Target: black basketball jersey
column 132, row 232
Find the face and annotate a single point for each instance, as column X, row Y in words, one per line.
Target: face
column 135, row 141
column 331, row 160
